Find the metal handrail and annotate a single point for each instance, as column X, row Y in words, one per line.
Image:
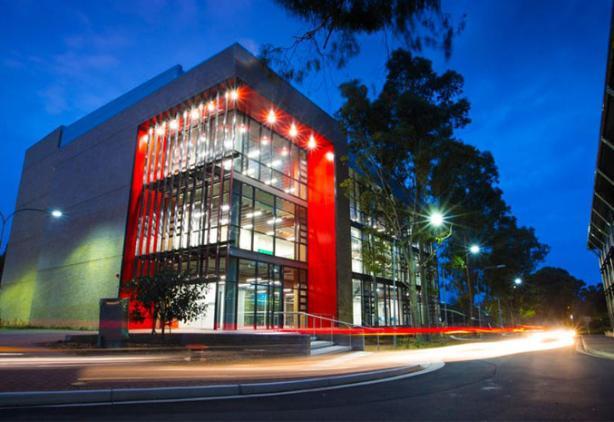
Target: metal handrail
column 321, row 319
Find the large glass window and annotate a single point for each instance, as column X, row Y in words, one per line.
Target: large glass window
column 272, row 159
column 356, row 244
column 272, row 225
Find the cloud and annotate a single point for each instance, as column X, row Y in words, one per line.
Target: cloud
column 54, row 99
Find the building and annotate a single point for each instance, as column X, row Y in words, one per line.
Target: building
column 224, row 171
column 601, row 228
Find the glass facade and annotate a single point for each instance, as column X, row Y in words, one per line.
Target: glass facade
column 380, row 294
column 216, row 181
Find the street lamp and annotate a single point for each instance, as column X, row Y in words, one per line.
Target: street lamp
column 518, row 281
column 436, row 219
column 475, row 249
column 4, row 219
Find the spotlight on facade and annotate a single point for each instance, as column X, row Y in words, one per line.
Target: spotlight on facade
column 234, row 94
column 475, row 249
column 311, row 144
column 436, row 219
column 56, row 213
column 271, row 117
column 517, row 281
column 293, row 130
column 330, row 156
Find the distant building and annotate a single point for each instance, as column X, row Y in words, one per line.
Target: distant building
column 601, row 229
column 224, row 171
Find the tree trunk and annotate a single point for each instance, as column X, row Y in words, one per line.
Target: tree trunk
column 469, row 289
column 413, row 292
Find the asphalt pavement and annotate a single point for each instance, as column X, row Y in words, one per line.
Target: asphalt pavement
column 559, row 384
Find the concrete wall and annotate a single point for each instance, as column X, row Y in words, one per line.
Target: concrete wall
column 57, row 270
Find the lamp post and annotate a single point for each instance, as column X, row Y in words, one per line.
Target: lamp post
column 437, row 220
column 4, row 219
column 473, row 249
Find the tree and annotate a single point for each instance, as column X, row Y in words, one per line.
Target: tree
column 592, row 308
column 402, row 144
column 465, row 184
column 549, row 296
column 519, row 251
column 166, row 296
column 334, row 26
column 394, row 142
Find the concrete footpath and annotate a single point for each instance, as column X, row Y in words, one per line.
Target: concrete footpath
column 207, row 392
column 598, row 346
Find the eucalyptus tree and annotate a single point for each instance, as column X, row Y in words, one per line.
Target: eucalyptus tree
column 394, row 142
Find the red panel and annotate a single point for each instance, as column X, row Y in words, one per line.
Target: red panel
column 132, row 226
column 321, row 251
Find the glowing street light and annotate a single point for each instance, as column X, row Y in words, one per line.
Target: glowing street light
column 4, row 219
column 436, row 219
column 474, row 249
column 517, row 281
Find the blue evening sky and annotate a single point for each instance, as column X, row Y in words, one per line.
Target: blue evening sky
column 534, row 74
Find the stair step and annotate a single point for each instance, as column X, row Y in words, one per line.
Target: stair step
column 329, row 350
column 318, row 344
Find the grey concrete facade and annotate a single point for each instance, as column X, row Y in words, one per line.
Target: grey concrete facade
column 57, row 270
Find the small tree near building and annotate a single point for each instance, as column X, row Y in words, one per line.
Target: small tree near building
column 166, row 296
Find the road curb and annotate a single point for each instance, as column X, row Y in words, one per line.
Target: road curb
column 595, row 353
column 124, row 395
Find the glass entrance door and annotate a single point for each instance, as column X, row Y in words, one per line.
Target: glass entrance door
column 260, row 301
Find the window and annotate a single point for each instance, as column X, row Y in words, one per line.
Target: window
column 272, row 159
column 272, row 225
column 356, row 244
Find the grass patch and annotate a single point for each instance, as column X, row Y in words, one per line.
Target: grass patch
column 408, row 342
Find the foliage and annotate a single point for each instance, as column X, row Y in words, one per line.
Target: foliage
column 552, row 293
column 394, row 141
column 166, row 296
column 591, row 308
column 553, row 296
column 376, row 254
column 402, row 144
column 334, row 26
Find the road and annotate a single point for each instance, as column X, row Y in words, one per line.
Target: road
column 553, row 384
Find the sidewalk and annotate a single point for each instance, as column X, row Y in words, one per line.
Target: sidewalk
column 600, row 346
column 38, row 378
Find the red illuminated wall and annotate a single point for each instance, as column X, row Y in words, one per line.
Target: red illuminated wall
column 321, row 251
column 132, row 225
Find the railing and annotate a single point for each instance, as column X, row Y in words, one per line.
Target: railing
column 319, row 326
